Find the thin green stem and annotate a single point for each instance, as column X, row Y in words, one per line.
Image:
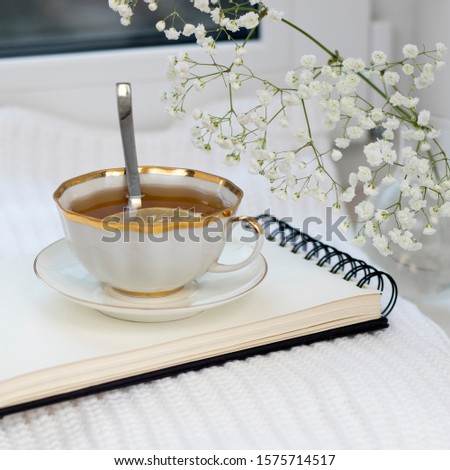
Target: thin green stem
column 333, row 55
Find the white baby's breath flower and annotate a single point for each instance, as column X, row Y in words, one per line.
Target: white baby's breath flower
column 373, row 153
column 152, row 6
column 202, row 5
column 302, row 136
column 348, row 84
column 234, row 81
column 306, row 76
column 424, row 146
column 348, row 195
column 405, row 218
column 354, row 65
column 308, row 61
column 391, row 123
column 281, row 194
column 289, row 99
column 188, row 30
column 381, row 215
column 367, row 123
column 388, row 134
column 354, row 132
column 161, row 26
column 249, row 21
column 444, row 210
column 388, row 180
column 175, row 113
column 290, row 78
column 377, row 114
column 209, row 45
column 232, row 26
column 434, row 133
column 364, row 174
column 344, row 226
column 199, row 85
column 336, row 155
column 440, row 64
column 424, row 80
column 391, row 78
column 410, row 51
column 365, row 210
column 124, row 10
column 217, row 16
column 429, row 230
column 411, row 102
column 197, row 114
column 264, row 96
column 342, row 142
column 181, row 69
column 423, row 118
column 224, row 142
column 316, row 88
column 275, row 15
column 408, row 69
column 371, row 73
column 359, row 240
column 397, row 99
column 441, row 49
column 418, row 134
column 369, row 229
column 200, row 33
column 113, row 4
column 289, row 158
column 390, row 156
column 370, row 189
column 381, row 243
column 240, row 51
column 319, row 174
column 328, row 71
column 379, row 57
column 172, row 34
column 303, row 92
column 353, row 179
column 196, row 131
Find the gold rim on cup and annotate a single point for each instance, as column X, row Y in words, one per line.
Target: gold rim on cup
column 155, row 228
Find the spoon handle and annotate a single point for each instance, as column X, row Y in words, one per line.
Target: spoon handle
column 123, row 91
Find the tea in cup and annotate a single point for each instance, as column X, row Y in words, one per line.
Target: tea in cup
column 177, row 236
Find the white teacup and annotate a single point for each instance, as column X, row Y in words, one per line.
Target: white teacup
column 153, row 259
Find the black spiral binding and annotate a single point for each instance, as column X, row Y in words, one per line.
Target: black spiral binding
column 337, row 260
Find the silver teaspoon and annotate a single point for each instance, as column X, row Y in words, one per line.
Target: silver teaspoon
column 123, row 92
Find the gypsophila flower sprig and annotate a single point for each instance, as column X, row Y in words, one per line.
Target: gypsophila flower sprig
column 297, row 167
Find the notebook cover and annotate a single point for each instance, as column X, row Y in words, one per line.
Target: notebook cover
column 354, row 329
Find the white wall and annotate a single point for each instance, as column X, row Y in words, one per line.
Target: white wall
column 433, row 18
column 401, row 16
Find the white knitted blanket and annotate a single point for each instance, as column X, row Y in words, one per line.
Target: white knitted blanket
column 382, row 390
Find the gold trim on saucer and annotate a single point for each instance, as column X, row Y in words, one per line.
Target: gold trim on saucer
column 146, row 294
column 155, row 228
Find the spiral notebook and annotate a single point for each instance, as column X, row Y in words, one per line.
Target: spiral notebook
column 53, row 349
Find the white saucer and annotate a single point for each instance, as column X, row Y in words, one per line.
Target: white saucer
column 58, row 268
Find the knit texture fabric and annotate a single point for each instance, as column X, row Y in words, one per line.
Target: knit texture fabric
column 383, row 390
